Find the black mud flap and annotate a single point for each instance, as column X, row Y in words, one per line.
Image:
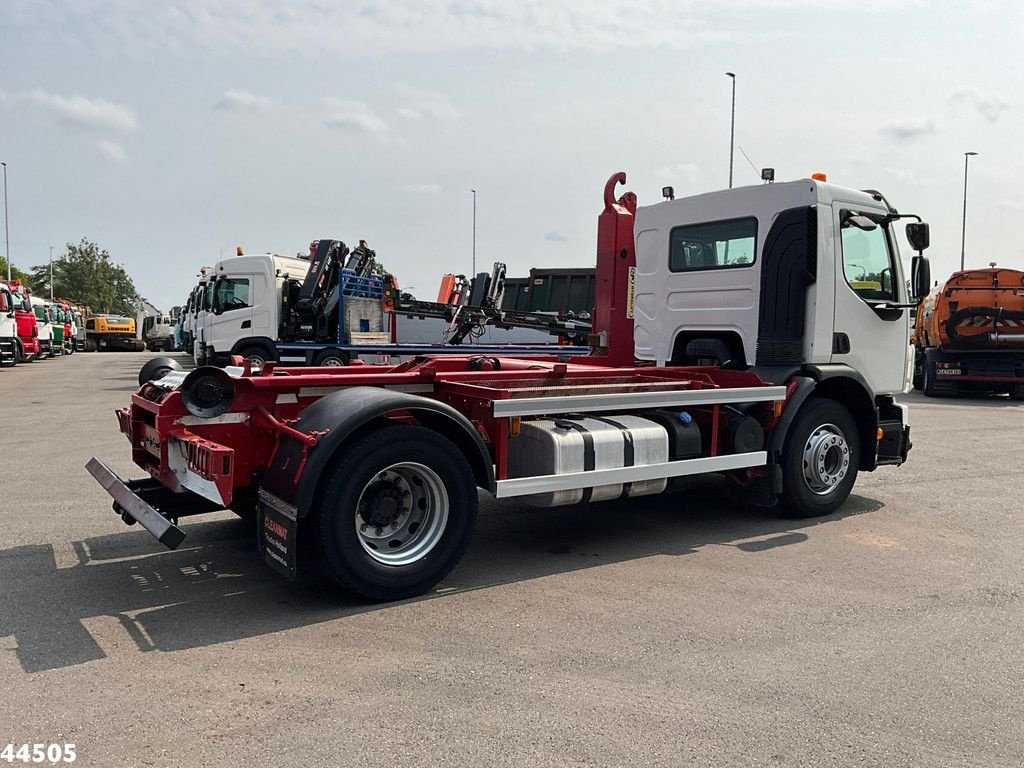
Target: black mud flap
column 278, row 534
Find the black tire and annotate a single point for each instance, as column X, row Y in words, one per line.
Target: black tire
column 157, row 368
column 332, row 358
column 258, row 355
column 364, row 467
column 90, row 345
column 839, row 454
column 1017, row 392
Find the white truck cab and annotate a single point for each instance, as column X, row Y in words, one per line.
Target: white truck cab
column 200, row 306
column 794, row 274
column 41, row 309
column 244, row 308
column 8, row 328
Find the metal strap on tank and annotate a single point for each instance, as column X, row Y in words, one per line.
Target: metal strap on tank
column 628, row 451
column 589, row 458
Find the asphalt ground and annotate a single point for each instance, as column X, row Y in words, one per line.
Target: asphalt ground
column 674, row 630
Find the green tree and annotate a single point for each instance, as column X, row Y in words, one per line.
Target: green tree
column 16, row 274
column 85, row 273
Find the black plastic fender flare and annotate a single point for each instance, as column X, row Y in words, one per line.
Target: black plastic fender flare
column 849, row 388
column 295, row 470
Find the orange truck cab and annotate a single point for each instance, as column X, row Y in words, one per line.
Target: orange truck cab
column 969, row 334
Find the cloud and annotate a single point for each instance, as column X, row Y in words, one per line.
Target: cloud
column 382, row 27
column 989, row 106
column 907, row 130
column 555, row 237
column 425, row 105
column 422, row 189
column 243, row 101
column 112, row 150
column 688, row 171
column 356, row 117
column 1010, row 205
column 78, row 112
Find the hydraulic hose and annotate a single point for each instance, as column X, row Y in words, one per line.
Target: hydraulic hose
column 996, row 313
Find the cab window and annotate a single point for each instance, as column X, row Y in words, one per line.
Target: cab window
column 231, row 293
column 4, row 307
column 867, row 258
column 714, row 245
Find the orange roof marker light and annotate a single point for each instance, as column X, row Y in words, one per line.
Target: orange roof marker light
column 819, row 177
column 239, row 251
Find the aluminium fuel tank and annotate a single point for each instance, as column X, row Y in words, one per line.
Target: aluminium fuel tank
column 580, row 444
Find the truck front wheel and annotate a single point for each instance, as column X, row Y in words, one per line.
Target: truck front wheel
column 396, row 513
column 820, row 459
column 256, row 355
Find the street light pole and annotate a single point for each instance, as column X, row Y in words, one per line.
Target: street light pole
column 732, row 125
column 963, row 231
column 474, row 232
column 51, row 273
column 7, row 229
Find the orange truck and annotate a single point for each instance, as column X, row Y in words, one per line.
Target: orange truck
column 969, row 335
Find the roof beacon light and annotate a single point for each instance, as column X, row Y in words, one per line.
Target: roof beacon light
column 819, row 177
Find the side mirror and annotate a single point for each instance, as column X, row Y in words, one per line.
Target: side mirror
column 917, row 235
column 921, row 273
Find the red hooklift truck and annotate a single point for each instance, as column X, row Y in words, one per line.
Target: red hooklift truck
column 732, row 334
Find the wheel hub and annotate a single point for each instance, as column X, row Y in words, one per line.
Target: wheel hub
column 402, row 514
column 384, row 503
column 826, row 459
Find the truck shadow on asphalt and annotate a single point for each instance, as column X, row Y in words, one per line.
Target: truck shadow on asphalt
column 216, row 588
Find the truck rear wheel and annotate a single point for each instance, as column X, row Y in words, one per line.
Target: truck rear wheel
column 397, row 513
column 820, row 459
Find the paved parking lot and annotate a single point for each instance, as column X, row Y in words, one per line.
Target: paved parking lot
column 677, row 630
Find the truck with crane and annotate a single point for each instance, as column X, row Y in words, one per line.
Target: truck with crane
column 969, row 335
column 334, row 306
column 730, row 336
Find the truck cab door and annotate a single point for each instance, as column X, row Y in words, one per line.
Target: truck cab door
column 230, row 316
column 869, row 335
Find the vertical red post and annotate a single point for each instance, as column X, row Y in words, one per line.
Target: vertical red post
column 612, row 335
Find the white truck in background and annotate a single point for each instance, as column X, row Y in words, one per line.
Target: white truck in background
column 8, row 328
column 41, row 308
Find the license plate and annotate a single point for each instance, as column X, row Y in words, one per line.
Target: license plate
column 947, row 371
column 277, row 535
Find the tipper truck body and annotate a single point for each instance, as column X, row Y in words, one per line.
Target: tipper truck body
column 969, row 334
column 732, row 334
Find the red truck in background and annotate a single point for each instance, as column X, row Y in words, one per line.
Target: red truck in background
column 27, row 342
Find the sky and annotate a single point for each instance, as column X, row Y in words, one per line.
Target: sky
column 171, row 132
